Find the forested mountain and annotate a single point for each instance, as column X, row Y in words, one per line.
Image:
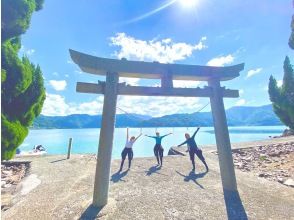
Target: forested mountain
column 236, row 116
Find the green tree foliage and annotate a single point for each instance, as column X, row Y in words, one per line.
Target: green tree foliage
column 282, row 97
column 22, row 91
column 291, row 39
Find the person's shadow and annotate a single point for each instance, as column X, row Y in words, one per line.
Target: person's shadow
column 192, row 176
column 152, row 170
column 116, row 177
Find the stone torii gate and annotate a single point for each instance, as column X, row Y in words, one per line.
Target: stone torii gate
column 113, row 69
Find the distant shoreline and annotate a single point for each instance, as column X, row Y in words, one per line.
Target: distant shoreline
column 230, row 126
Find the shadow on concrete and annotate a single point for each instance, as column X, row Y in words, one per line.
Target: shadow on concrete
column 192, row 176
column 116, row 177
column 54, row 161
column 234, row 206
column 152, row 170
column 90, row 213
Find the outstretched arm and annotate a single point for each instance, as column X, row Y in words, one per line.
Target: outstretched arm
column 185, row 142
column 193, row 136
column 149, row 136
column 166, row 135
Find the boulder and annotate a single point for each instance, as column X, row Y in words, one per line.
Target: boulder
column 173, row 151
column 289, row 182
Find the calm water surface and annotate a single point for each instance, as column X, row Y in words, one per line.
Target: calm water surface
column 86, row 140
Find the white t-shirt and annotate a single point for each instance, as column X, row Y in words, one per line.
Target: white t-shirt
column 129, row 144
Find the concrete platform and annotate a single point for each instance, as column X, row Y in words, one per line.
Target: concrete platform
column 147, row 192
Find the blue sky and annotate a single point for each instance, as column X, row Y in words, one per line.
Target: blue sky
column 208, row 32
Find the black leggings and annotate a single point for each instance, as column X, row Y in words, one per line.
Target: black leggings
column 199, row 154
column 158, row 152
column 124, row 153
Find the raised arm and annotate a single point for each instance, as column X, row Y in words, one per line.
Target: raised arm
column 127, row 134
column 193, row 136
column 137, row 137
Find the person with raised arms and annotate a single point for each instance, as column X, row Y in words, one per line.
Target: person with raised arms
column 193, row 149
column 128, row 150
column 158, row 149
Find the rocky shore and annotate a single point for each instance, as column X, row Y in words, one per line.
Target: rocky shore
column 11, row 175
column 274, row 162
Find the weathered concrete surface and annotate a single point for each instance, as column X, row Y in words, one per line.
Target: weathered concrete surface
column 146, row 192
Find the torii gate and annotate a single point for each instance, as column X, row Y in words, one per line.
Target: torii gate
column 113, row 69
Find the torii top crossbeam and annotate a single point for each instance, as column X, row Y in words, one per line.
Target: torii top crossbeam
column 153, row 70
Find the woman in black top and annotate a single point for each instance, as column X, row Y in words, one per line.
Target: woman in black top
column 193, row 149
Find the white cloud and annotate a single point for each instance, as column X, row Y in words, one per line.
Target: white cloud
column 78, row 71
column 55, row 74
column 221, row 61
column 241, row 91
column 70, row 62
column 253, row 72
column 185, row 84
column 279, row 83
column 157, row 106
column 55, row 105
column 164, row 51
column 58, row 85
column 30, row 52
column 66, row 75
column 129, row 81
column 240, row 102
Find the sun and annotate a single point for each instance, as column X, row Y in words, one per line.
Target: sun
column 189, row 3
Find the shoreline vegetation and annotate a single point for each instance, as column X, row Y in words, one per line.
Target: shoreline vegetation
column 268, row 163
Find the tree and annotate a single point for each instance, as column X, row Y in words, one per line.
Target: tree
column 22, row 91
column 282, row 97
column 291, row 39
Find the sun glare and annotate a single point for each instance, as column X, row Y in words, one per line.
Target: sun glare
column 188, row 3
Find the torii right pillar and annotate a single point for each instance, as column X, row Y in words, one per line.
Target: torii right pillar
column 222, row 137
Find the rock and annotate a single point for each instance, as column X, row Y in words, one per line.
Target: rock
column 3, row 183
column 287, row 132
column 289, row 182
column 280, row 180
column 6, row 201
column 7, row 172
column 7, row 185
column 261, row 175
column 173, row 151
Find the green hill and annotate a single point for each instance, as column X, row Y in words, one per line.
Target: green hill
column 236, row 116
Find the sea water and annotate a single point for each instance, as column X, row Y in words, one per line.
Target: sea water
column 86, row 140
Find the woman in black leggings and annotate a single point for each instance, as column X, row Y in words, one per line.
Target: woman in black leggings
column 193, row 149
column 128, row 150
column 158, row 149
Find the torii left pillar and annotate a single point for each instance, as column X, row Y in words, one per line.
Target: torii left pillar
column 103, row 164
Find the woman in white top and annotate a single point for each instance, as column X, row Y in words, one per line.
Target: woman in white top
column 128, row 150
